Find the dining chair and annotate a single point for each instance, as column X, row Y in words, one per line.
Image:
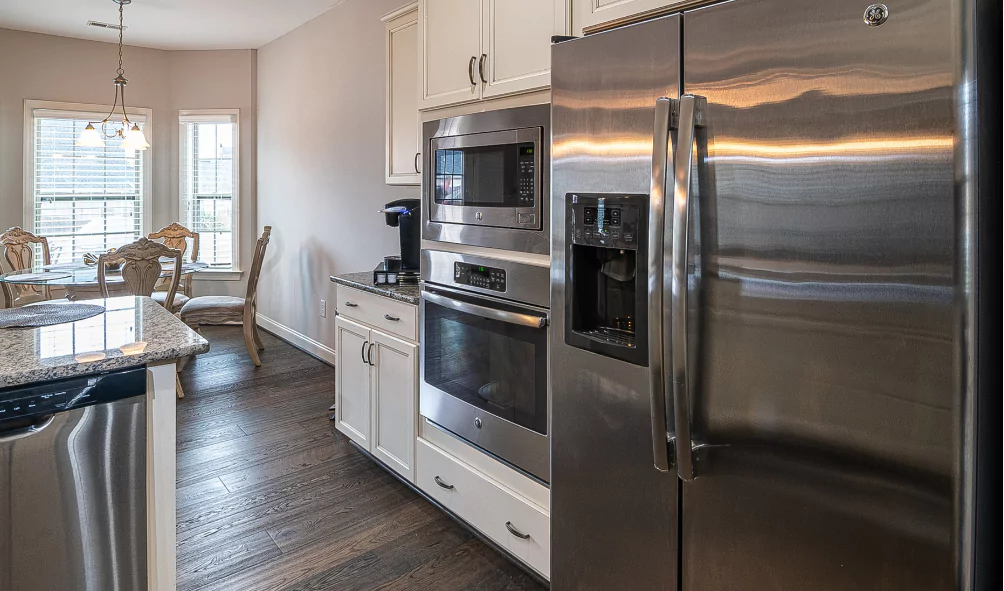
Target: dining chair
column 140, row 270
column 211, row 310
column 19, row 251
column 176, row 236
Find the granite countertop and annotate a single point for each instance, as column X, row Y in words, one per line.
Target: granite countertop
column 364, row 281
column 132, row 331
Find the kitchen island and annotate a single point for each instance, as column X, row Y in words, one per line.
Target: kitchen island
column 132, row 332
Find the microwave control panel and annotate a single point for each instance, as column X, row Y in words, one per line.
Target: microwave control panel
column 479, row 276
column 526, row 174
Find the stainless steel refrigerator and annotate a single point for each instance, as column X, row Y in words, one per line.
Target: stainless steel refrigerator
column 762, row 300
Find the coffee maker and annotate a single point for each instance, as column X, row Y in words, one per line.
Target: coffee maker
column 404, row 215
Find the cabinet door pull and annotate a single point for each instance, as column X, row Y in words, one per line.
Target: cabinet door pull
column 369, row 353
column 481, row 68
column 351, row 305
column 470, row 70
column 417, row 154
column 443, row 484
column 362, row 352
column 391, row 318
column 516, row 532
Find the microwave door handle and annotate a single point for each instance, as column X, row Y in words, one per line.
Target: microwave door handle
column 665, row 108
column 529, row 320
column 691, row 117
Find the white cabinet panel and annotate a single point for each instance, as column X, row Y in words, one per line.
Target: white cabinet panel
column 451, row 42
column 352, row 381
column 395, row 395
column 516, row 49
column 589, row 13
column 403, row 121
column 390, row 316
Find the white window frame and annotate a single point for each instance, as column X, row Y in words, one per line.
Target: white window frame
column 235, row 272
column 28, row 155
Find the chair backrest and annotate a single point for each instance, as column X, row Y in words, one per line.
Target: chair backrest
column 259, row 256
column 19, row 253
column 176, row 236
column 141, row 268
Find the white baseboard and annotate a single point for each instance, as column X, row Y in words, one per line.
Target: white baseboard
column 298, row 340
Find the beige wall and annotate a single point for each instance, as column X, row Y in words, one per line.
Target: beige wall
column 46, row 67
column 320, row 162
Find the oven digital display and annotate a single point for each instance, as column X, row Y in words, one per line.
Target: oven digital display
column 479, row 276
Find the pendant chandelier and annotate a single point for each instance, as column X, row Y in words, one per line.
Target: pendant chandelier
column 132, row 136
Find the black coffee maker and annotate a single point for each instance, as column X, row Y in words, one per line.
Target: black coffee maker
column 405, row 215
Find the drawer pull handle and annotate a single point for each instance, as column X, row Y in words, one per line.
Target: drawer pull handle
column 351, row 305
column 391, row 318
column 516, row 532
column 443, row 484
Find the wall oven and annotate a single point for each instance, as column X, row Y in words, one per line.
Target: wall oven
column 484, row 355
column 486, row 179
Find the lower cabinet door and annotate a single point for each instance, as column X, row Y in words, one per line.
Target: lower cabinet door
column 352, row 381
column 394, row 402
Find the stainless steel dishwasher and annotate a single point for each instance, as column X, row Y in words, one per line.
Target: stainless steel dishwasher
column 73, row 484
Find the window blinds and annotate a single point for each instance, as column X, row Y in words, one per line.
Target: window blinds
column 85, row 199
column 208, row 184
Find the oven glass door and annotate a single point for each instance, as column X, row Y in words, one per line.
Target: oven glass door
column 494, row 365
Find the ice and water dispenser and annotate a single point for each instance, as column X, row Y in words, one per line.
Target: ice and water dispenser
column 606, row 283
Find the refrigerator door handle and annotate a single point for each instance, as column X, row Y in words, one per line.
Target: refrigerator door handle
column 665, row 110
column 691, row 117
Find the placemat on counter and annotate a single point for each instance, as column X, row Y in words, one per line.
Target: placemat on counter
column 47, row 314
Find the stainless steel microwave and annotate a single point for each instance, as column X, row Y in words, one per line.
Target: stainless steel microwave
column 486, row 179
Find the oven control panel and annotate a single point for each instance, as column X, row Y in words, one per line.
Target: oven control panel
column 481, row 276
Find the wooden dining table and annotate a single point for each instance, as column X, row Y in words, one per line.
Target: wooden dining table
column 80, row 281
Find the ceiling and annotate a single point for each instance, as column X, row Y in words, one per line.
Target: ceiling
column 167, row 24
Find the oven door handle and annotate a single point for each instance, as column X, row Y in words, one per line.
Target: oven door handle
column 530, row 320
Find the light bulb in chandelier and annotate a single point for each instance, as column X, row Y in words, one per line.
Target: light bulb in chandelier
column 134, row 139
column 90, row 138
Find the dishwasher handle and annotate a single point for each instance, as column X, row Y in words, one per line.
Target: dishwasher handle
column 37, row 426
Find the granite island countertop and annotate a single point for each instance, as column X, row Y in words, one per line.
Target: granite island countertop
column 132, row 331
column 408, row 294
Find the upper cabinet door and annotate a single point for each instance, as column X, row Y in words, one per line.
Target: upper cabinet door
column 589, row 13
column 403, row 123
column 451, row 46
column 516, row 51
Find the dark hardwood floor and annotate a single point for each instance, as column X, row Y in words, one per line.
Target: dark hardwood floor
column 271, row 497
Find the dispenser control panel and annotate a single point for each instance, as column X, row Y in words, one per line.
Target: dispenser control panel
column 604, row 221
column 481, row 276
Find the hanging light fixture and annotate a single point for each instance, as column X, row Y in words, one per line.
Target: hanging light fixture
column 132, row 136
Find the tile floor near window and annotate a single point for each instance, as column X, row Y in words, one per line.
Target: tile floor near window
column 271, row 497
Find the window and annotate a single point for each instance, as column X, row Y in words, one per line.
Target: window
column 82, row 199
column 209, row 184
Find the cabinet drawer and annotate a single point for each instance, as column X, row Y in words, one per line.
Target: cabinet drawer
column 440, row 476
column 390, row 316
column 487, row 506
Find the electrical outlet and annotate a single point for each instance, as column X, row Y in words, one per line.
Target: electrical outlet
column 324, row 309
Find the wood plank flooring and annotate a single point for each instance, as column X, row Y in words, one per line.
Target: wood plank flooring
column 271, row 497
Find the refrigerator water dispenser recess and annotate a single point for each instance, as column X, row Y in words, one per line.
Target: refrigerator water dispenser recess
column 606, row 288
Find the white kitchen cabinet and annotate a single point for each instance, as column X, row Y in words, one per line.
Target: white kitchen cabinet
column 352, row 381
column 590, row 13
column 403, row 125
column 376, row 376
column 516, row 37
column 481, row 49
column 393, row 399
column 450, row 48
